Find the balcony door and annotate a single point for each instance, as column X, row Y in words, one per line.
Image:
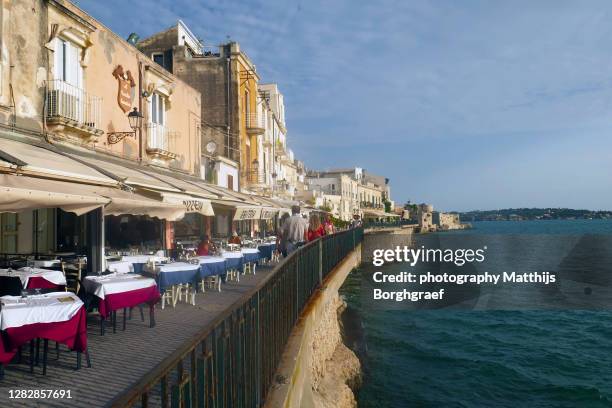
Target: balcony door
column 157, row 119
column 67, row 88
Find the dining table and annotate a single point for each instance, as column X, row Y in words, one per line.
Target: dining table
column 45, row 263
column 117, row 291
column 174, row 273
column 267, row 249
column 37, row 278
column 120, row 266
column 212, row 265
column 250, row 255
column 139, row 261
column 55, row 316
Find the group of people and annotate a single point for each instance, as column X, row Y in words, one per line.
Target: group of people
column 295, row 230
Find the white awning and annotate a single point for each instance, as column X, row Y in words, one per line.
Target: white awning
column 19, row 193
column 124, row 202
column 42, row 162
column 190, row 204
column 130, row 176
column 268, row 213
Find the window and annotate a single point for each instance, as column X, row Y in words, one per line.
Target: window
column 9, row 223
column 158, row 112
column 230, row 181
column 67, row 63
column 158, row 58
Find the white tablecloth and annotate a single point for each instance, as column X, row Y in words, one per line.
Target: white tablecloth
column 44, row 263
column 174, row 267
column 143, row 259
column 231, row 254
column 210, row 259
column 47, row 308
column 120, row 266
column 249, row 250
column 116, row 283
column 55, row 277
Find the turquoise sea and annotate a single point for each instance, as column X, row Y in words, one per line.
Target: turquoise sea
column 450, row 358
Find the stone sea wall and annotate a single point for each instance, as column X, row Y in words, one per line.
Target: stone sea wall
column 317, row 370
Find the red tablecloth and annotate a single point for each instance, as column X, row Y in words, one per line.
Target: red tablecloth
column 128, row 299
column 72, row 333
column 38, row 282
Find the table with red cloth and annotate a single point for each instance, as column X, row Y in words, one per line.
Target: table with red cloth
column 122, row 291
column 56, row 316
column 37, row 278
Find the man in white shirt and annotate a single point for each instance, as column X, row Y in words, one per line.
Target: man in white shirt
column 295, row 229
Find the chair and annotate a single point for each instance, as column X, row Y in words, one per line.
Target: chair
column 73, row 273
column 10, row 285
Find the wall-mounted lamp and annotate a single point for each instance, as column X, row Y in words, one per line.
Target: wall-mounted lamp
column 135, row 119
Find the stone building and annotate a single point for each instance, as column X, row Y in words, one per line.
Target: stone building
column 85, row 114
column 232, row 119
column 446, row 221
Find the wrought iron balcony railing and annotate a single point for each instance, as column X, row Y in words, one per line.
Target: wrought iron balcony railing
column 72, row 106
column 160, row 141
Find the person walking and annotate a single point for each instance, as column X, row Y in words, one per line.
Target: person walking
column 295, row 230
column 356, row 223
column 328, row 225
column 315, row 228
column 281, row 236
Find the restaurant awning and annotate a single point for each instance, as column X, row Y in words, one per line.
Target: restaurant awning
column 125, row 202
column 370, row 212
column 37, row 161
column 19, row 193
column 130, row 176
column 190, row 204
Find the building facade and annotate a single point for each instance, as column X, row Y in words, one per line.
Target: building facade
column 231, row 111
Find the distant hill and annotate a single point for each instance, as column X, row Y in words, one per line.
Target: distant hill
column 518, row 214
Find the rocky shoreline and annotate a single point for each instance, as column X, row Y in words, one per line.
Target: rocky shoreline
column 336, row 369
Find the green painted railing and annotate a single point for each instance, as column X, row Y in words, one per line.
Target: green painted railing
column 232, row 361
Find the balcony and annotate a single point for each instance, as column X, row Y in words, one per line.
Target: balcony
column 72, row 109
column 255, row 124
column 160, row 142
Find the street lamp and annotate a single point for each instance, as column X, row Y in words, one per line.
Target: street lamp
column 135, row 120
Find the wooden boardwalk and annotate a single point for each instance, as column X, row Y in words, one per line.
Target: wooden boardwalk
column 123, row 358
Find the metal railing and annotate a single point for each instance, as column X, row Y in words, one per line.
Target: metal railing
column 66, row 101
column 253, row 120
column 386, row 224
column 159, row 137
column 232, row 361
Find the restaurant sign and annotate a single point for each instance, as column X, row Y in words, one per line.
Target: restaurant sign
column 191, row 204
column 247, row 213
column 267, row 213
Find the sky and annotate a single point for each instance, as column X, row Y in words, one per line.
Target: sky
column 466, row 105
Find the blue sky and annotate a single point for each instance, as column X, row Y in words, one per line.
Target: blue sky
column 466, row 105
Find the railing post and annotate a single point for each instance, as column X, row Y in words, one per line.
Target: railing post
column 320, row 248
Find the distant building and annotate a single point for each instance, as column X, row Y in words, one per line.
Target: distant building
column 446, row 221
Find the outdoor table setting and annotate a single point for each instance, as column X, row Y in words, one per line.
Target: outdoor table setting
column 250, row 258
column 44, row 263
column 267, row 249
column 234, row 261
column 139, row 261
column 122, row 291
column 175, row 279
column 212, row 266
column 55, row 316
column 37, row 278
column 120, row 266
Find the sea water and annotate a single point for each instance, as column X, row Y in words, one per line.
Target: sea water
column 453, row 358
